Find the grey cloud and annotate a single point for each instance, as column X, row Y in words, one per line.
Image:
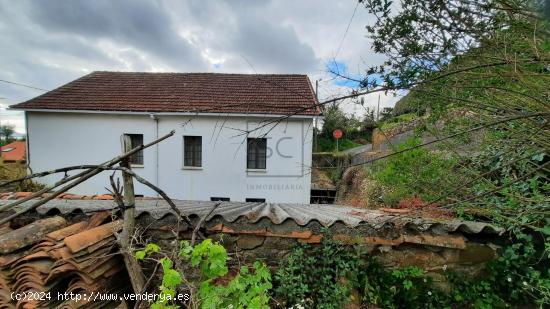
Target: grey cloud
column 248, row 29
column 49, row 43
column 145, row 25
column 273, row 47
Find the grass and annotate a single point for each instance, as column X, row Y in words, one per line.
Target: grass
column 329, row 145
column 395, row 121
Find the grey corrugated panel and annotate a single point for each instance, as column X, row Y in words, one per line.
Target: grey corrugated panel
column 302, row 214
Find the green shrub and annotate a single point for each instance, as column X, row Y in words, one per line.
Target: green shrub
column 247, row 289
column 415, row 172
column 323, row 276
column 329, row 144
column 395, row 121
column 12, row 171
column 407, row 287
column 312, row 276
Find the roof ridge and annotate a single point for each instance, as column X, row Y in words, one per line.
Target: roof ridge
column 198, row 73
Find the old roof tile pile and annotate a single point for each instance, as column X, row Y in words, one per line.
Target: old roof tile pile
column 51, row 256
column 280, row 94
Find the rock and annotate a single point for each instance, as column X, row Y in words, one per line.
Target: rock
column 248, row 242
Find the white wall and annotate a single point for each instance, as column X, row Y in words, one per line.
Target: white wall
column 63, row 139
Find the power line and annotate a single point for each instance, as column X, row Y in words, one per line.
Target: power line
column 347, row 29
column 23, row 85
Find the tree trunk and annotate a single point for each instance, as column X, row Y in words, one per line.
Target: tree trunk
column 134, row 270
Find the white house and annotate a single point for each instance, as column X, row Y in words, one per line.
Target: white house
column 239, row 137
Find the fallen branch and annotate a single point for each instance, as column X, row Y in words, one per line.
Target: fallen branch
column 156, row 189
column 138, row 178
column 84, row 176
column 46, row 173
column 201, row 222
column 116, row 191
column 45, row 190
column 147, row 283
column 541, row 167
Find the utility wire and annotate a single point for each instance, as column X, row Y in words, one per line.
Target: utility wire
column 23, row 85
column 347, row 29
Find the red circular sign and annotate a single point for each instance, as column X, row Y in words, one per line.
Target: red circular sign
column 337, row 134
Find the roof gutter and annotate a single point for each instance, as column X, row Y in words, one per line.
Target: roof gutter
column 163, row 113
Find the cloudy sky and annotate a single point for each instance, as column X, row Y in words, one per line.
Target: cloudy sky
column 46, row 44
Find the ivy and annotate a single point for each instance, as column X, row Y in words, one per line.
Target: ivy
column 314, row 276
column 323, row 277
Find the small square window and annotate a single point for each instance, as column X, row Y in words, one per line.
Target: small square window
column 219, row 199
column 255, row 200
column 192, row 151
column 256, row 151
column 136, row 140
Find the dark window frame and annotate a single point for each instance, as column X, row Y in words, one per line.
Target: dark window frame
column 135, row 141
column 192, row 151
column 254, row 200
column 219, row 199
column 256, row 153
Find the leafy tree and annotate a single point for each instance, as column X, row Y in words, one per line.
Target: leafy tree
column 6, row 134
column 482, row 69
column 386, row 113
column 356, row 131
column 475, row 64
column 333, row 118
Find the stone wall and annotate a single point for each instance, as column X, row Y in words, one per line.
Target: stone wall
column 435, row 251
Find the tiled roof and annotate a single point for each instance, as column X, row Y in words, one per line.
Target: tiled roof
column 277, row 213
column 15, row 151
column 280, row 94
column 52, row 255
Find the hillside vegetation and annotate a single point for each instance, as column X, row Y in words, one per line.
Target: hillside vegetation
column 478, row 72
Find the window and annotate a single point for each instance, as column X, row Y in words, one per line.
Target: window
column 192, row 151
column 256, row 153
column 135, row 141
column 255, row 200
column 219, row 199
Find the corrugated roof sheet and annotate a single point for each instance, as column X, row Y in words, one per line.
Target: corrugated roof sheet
column 277, row 213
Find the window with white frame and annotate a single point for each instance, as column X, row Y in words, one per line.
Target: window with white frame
column 192, row 151
column 256, row 151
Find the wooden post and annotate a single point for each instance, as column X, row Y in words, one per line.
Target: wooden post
column 134, row 270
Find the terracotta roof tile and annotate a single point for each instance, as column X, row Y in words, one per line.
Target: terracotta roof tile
column 89, row 237
column 67, row 231
column 15, row 151
column 280, row 94
column 50, row 266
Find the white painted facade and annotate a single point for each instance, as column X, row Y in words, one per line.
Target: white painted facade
column 61, row 138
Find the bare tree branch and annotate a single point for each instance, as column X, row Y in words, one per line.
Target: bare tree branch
column 201, row 222
column 84, row 176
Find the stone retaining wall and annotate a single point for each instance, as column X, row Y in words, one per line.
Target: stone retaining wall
column 435, row 252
